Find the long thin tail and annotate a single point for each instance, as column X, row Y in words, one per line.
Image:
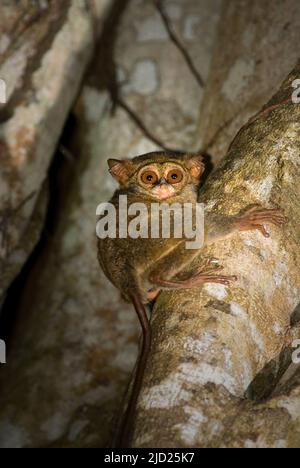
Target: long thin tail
column 125, row 431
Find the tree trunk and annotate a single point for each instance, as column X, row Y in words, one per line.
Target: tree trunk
column 44, row 51
column 253, row 55
column 209, row 344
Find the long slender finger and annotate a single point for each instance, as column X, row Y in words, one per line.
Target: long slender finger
column 268, row 216
column 277, row 222
column 267, row 219
column 224, row 281
column 269, row 210
column 210, row 278
column 270, row 221
column 264, row 212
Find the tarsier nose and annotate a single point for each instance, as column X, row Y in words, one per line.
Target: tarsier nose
column 162, row 181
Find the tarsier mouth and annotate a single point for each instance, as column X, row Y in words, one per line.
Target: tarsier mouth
column 163, row 190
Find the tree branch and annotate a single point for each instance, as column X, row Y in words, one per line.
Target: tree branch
column 182, row 49
column 138, row 121
column 5, row 218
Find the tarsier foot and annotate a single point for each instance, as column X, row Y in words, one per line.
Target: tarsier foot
column 208, row 274
column 256, row 217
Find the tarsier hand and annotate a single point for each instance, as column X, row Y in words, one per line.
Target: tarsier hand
column 256, row 217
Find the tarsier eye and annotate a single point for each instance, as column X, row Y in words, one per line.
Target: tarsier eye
column 174, row 176
column 149, row 177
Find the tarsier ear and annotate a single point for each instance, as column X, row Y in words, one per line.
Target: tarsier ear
column 195, row 164
column 121, row 170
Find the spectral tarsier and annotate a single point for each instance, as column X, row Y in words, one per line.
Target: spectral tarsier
column 141, row 268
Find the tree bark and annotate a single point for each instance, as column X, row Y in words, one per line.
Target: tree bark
column 253, row 55
column 44, row 51
column 210, row 343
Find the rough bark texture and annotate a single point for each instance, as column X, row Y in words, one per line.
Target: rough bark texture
column 76, row 342
column 210, row 344
column 44, row 50
column 254, row 53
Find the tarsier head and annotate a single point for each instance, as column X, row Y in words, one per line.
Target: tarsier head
column 158, row 175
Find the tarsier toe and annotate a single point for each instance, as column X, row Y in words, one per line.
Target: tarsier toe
column 226, row 280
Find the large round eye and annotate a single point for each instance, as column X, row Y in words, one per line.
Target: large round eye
column 149, row 177
column 174, row 176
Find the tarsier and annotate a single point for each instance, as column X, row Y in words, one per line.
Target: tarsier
column 142, row 268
